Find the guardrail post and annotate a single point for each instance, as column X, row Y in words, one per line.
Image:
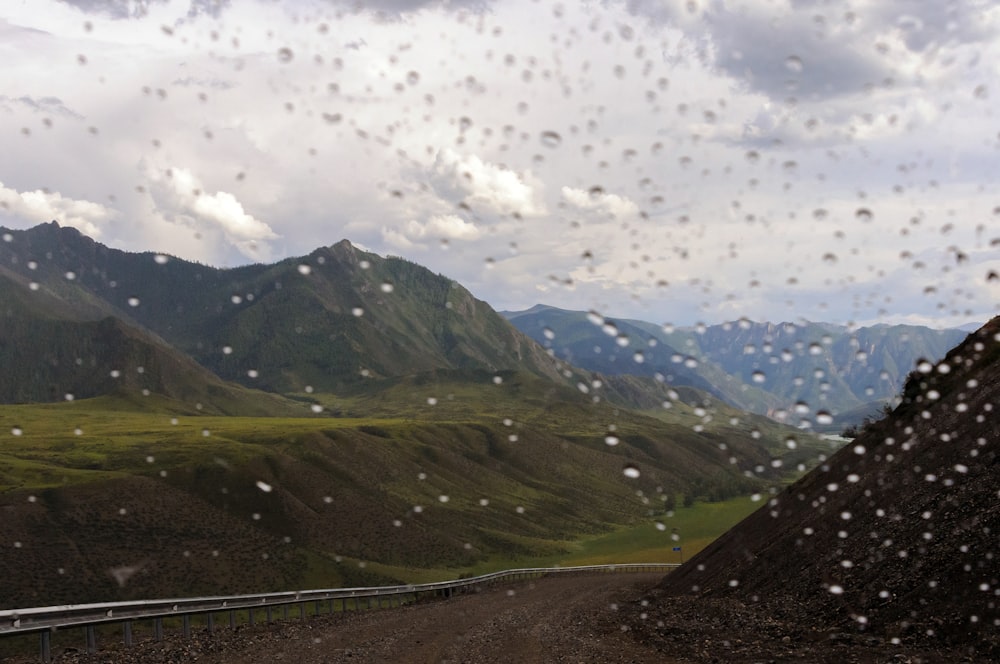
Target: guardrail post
column 91, row 639
column 267, row 611
column 211, row 622
column 158, row 629
column 250, row 621
column 46, row 646
column 302, row 610
column 127, row 629
column 186, row 626
column 232, row 620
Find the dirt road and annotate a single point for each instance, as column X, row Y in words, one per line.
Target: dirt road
column 560, row 619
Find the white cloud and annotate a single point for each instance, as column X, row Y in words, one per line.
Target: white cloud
column 481, row 184
column 180, row 197
column 617, row 207
column 43, row 206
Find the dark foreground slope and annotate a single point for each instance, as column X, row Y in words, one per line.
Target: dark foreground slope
column 894, row 540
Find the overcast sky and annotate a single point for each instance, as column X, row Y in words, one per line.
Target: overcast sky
column 674, row 161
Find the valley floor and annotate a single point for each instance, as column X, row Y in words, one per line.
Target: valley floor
column 587, row 618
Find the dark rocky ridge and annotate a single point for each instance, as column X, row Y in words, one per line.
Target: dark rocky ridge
column 896, row 537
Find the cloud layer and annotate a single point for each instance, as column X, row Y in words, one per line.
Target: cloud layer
column 667, row 161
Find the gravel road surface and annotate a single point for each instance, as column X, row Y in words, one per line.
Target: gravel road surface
column 565, row 618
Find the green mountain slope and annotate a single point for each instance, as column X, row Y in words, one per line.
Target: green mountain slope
column 323, row 320
column 47, row 357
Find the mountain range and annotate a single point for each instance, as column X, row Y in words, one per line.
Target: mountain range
column 818, row 374
column 340, row 317
column 226, row 430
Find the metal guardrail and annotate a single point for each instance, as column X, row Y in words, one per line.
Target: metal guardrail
column 48, row 619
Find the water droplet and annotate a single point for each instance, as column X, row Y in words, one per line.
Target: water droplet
column 252, row 373
column 551, row 139
column 431, row 401
column 548, row 333
column 264, row 486
column 16, row 431
column 227, row 350
column 793, row 63
column 611, row 441
column 497, row 380
column 483, row 502
column 316, row 408
column 133, row 302
column 837, row 590
column 443, row 498
column 412, row 77
column 358, row 312
column 305, row 269
column 387, row 287
column 70, row 276
column 863, row 215
column 161, row 259
column 824, row 417
column 285, row 55
column 758, row 376
column 630, row 471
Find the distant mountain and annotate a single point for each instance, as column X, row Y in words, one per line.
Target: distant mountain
column 805, row 369
column 621, row 347
column 894, row 536
column 821, row 365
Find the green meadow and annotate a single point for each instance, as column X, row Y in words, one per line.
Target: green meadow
column 423, row 481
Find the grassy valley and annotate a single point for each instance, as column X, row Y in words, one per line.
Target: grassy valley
column 114, row 498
